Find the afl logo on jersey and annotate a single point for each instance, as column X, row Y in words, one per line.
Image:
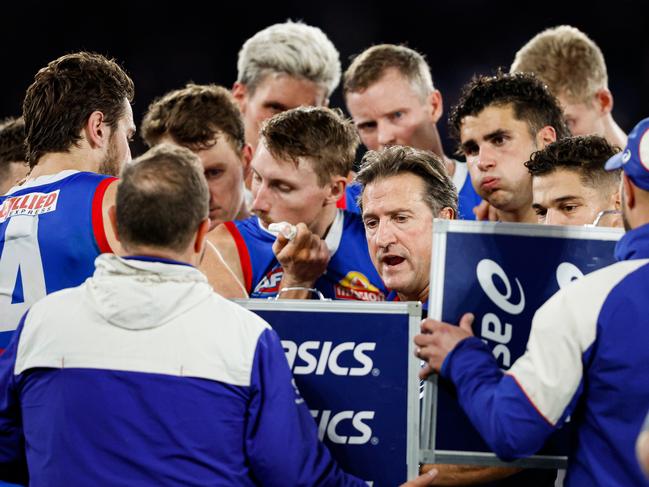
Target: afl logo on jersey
column 356, row 285
column 29, row 204
column 269, row 285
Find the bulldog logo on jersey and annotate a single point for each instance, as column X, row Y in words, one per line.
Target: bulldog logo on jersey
column 355, row 285
column 269, row 285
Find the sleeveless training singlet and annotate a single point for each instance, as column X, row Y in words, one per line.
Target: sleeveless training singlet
column 350, row 274
column 51, row 231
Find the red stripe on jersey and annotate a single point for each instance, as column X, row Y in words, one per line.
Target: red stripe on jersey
column 342, row 202
column 244, row 256
column 98, row 216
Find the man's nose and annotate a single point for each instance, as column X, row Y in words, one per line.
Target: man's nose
column 486, row 159
column 384, row 234
column 260, row 201
column 386, row 135
column 554, row 217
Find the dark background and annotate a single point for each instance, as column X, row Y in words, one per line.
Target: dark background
column 163, row 47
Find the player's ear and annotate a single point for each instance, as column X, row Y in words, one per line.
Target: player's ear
column 246, row 157
column 604, row 101
column 96, row 130
column 616, row 199
column 545, row 136
column 240, row 94
column 336, row 189
column 436, row 105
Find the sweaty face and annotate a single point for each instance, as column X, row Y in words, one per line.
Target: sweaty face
column 496, row 145
column 284, row 192
column 582, row 118
column 118, row 151
column 561, row 198
column 393, row 112
column 399, row 227
column 276, row 93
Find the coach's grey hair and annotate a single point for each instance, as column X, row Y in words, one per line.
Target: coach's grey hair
column 439, row 190
column 293, row 48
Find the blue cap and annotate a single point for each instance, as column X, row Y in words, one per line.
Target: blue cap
column 634, row 160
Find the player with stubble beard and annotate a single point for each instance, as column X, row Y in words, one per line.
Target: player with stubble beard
column 78, row 123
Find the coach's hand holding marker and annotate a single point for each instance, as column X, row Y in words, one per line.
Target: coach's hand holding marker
column 304, row 257
column 437, row 339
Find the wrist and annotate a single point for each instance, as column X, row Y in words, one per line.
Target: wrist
column 289, row 280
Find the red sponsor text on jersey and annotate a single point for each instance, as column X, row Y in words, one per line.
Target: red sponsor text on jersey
column 28, row 204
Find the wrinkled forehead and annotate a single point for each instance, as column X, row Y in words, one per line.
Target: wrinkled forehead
column 394, row 193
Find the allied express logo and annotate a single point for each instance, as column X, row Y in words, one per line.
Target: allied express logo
column 28, row 204
column 357, row 286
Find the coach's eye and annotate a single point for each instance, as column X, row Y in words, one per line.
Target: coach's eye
column 401, row 218
column 371, row 223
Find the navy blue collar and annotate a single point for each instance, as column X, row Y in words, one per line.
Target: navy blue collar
column 149, row 258
column 634, row 244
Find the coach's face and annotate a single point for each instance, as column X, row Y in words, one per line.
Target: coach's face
column 392, row 112
column 399, row 227
column 496, row 145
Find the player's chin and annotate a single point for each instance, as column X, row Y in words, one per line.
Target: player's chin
column 502, row 200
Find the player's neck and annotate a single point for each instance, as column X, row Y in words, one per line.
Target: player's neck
column 55, row 162
column 436, row 142
column 450, row 166
column 613, row 133
column 321, row 227
column 244, row 212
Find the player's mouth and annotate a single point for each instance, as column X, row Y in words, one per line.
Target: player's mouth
column 490, row 183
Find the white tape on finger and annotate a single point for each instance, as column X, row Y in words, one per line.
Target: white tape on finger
column 284, row 228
